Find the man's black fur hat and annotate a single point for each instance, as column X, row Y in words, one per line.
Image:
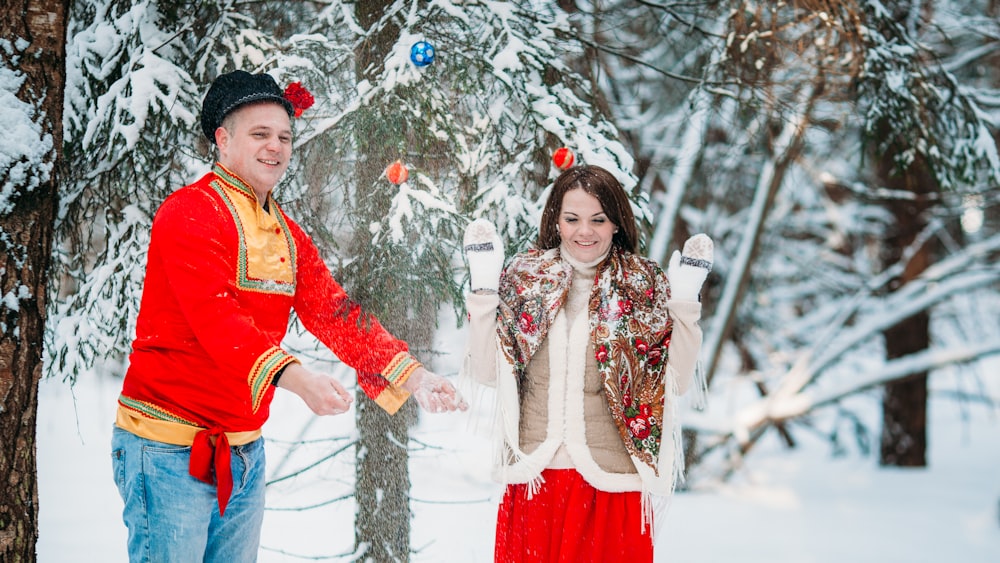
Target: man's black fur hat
column 235, row 89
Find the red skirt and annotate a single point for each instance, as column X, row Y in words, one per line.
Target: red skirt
column 569, row 521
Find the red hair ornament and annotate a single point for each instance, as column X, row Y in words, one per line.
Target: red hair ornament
column 563, row 158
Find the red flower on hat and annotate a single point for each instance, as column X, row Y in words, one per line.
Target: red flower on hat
column 300, row 98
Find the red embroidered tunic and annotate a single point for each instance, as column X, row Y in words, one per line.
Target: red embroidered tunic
column 222, row 277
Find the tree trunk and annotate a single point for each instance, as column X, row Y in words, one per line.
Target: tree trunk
column 27, row 216
column 382, row 523
column 904, row 403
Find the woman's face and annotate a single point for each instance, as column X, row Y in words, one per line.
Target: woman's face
column 585, row 231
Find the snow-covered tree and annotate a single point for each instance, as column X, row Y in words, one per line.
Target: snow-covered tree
column 476, row 130
column 750, row 121
column 136, row 72
column 32, row 76
column 786, row 130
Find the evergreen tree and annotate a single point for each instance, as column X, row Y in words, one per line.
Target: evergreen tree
column 749, row 121
column 927, row 138
column 787, row 131
column 476, row 129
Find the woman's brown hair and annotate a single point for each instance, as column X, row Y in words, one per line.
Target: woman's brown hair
column 599, row 183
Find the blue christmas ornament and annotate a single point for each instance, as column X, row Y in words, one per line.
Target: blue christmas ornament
column 422, row 53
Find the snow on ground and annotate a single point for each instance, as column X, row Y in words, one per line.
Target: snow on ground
column 800, row 506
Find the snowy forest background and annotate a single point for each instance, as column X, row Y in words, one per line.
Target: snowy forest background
column 841, row 153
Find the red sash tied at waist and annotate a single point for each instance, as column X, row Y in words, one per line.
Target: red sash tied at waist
column 211, row 450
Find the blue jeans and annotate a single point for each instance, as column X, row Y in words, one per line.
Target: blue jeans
column 173, row 517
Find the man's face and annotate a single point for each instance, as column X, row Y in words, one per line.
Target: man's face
column 255, row 143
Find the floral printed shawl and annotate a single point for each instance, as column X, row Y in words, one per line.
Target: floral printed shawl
column 629, row 326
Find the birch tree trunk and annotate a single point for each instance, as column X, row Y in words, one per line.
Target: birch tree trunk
column 786, row 149
column 32, row 78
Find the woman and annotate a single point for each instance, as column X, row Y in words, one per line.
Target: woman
column 589, row 346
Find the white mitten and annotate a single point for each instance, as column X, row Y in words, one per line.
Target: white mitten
column 687, row 272
column 484, row 251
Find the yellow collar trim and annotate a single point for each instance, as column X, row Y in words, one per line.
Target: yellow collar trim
column 267, row 249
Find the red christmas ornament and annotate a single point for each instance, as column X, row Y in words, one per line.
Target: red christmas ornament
column 300, row 98
column 563, row 158
column 397, row 172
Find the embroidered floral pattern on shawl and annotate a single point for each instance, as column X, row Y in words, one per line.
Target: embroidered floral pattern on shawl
column 629, row 326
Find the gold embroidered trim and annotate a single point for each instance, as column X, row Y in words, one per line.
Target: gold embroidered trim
column 262, row 374
column 266, row 258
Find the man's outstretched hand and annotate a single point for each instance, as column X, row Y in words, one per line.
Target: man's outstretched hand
column 433, row 392
column 326, row 396
column 322, row 393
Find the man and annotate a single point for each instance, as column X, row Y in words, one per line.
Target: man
column 225, row 268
